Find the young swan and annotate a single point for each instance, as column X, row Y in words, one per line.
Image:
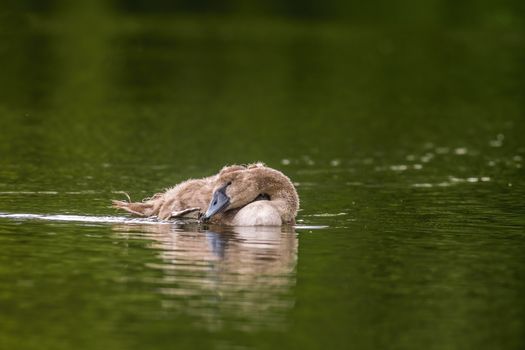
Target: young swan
column 185, row 198
column 238, row 196
column 254, row 196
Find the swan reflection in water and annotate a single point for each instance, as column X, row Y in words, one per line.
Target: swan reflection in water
column 240, row 277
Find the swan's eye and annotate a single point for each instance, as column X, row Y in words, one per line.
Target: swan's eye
column 229, row 183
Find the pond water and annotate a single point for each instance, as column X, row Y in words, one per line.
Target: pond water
column 405, row 142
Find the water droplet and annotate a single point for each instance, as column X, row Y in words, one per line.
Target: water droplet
column 401, row 167
column 460, row 151
column 485, row 178
column 308, row 160
column 427, row 157
column 335, row 162
column 472, row 179
column 418, row 166
column 422, row 185
column 495, row 143
column 285, row 161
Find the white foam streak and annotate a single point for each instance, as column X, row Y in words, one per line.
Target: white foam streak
column 108, row 219
column 81, row 218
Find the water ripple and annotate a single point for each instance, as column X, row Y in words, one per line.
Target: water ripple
column 242, row 274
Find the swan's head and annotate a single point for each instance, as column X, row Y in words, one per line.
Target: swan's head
column 233, row 189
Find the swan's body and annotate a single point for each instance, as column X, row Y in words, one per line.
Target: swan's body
column 260, row 213
column 255, row 195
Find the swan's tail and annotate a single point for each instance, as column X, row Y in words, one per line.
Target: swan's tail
column 148, row 207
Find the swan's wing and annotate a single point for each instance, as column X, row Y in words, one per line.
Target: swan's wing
column 190, row 213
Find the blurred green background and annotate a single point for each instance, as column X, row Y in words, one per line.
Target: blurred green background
column 200, row 82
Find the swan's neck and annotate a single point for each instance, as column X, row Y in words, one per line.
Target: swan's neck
column 282, row 196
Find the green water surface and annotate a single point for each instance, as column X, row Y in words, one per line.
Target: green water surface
column 405, row 140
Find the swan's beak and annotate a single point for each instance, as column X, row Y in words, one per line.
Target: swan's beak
column 219, row 202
